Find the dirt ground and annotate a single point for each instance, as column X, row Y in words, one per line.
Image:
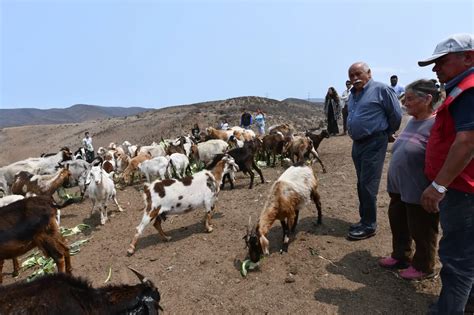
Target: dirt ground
column 197, row 272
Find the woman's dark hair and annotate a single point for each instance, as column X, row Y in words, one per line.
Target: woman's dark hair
column 424, row 87
column 334, row 95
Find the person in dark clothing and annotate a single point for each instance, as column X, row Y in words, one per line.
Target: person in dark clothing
column 246, row 120
column 196, row 133
column 332, row 109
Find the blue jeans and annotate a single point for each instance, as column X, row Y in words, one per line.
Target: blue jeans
column 456, row 251
column 368, row 156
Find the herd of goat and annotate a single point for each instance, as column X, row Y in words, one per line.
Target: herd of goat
column 30, row 216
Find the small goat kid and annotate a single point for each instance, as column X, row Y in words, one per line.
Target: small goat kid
column 100, row 189
column 169, row 196
column 295, row 187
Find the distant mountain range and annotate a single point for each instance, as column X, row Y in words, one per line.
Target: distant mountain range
column 74, row 114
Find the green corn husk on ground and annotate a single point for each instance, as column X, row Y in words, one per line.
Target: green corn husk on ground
column 47, row 265
column 75, row 230
column 247, row 265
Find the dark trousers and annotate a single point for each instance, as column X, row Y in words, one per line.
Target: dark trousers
column 89, row 156
column 368, row 156
column 456, row 251
column 410, row 222
column 345, row 113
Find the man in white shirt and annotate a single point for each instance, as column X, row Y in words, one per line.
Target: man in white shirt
column 344, row 101
column 87, row 144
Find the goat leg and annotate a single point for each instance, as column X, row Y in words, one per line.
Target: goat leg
column 286, row 237
column 16, row 267
column 207, row 221
column 317, row 201
column 157, row 225
column 116, row 202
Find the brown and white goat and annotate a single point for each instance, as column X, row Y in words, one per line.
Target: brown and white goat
column 30, row 223
column 170, row 196
column 213, row 133
column 63, row 294
column 302, row 147
column 132, row 167
column 290, row 193
column 26, row 182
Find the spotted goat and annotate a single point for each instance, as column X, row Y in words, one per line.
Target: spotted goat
column 170, row 196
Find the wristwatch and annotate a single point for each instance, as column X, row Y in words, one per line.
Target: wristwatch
column 439, row 188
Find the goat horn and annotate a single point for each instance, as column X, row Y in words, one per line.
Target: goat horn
column 249, row 227
column 141, row 277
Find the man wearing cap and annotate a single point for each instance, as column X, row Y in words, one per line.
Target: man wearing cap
column 450, row 167
column 374, row 115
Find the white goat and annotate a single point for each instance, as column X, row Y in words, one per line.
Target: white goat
column 172, row 196
column 206, row 151
column 155, row 167
column 178, row 163
column 295, row 187
column 100, row 190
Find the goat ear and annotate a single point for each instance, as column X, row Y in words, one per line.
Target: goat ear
column 139, row 275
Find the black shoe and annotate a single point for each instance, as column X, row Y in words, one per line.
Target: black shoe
column 361, row 233
column 355, row 226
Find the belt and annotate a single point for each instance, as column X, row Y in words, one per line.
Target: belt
column 371, row 136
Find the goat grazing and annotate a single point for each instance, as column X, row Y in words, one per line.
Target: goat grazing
column 295, row 187
column 170, row 196
column 101, row 189
column 30, row 223
column 26, row 182
column 64, row 294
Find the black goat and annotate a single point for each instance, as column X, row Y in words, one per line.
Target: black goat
column 64, row 294
column 244, row 158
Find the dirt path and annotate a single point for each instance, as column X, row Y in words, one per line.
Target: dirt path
column 196, row 272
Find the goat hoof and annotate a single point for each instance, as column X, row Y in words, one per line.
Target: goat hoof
column 130, row 252
column 168, row 238
column 209, row 229
column 15, row 274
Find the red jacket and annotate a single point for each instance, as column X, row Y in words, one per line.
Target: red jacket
column 442, row 137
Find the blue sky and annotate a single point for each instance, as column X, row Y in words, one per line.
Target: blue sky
column 54, row 54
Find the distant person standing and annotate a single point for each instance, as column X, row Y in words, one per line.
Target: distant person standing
column 260, row 122
column 225, row 124
column 196, row 132
column 87, row 144
column 344, row 102
column 399, row 90
column 245, row 119
column 332, row 109
column 374, row 116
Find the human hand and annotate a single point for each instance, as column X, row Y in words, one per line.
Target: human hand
column 430, row 199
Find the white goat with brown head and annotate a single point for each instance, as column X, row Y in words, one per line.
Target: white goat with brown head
column 171, row 196
column 295, row 187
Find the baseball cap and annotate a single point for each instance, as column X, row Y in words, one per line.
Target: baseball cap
column 454, row 43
